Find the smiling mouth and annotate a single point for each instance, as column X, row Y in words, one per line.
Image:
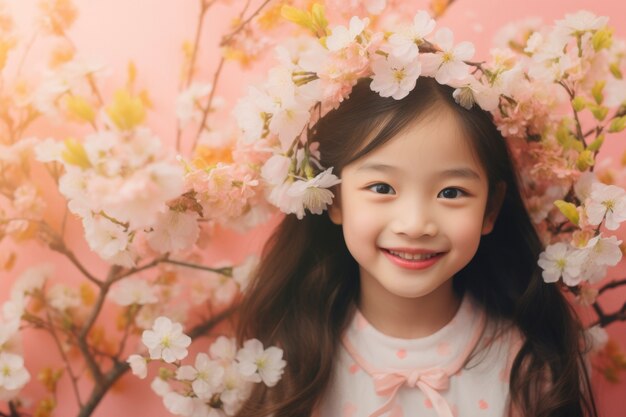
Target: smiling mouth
column 413, row 256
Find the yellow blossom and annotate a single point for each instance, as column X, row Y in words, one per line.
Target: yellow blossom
column 45, row 407
column 205, row 156
column 126, row 111
column 49, row 378
column 61, row 54
column 439, row 7
column 75, row 154
column 271, row 16
column 57, row 15
column 6, row 45
column 8, row 261
column 79, row 108
column 87, row 294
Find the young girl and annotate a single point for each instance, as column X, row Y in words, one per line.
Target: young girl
column 418, row 292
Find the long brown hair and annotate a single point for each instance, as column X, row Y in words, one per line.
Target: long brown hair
column 302, row 294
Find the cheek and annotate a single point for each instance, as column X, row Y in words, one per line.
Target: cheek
column 465, row 232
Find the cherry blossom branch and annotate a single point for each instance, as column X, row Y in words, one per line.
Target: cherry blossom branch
column 579, row 132
column 120, row 368
column 228, row 38
column 94, row 369
column 56, row 243
column 66, row 361
column 226, row 271
column 606, row 319
column 130, row 319
column 207, row 109
column 612, row 284
column 204, row 6
column 12, row 410
column 225, row 41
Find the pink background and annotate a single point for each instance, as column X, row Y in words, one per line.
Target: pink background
column 150, row 32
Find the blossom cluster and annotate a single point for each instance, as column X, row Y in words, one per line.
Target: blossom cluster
column 316, row 73
column 559, row 92
column 217, row 383
column 14, row 375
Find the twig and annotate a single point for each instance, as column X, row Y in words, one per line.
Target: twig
column 58, row 245
column 132, row 271
column 207, row 109
column 204, row 328
column 120, row 368
column 131, row 318
column 612, row 284
column 606, row 319
column 194, row 54
column 68, row 367
column 226, row 40
column 226, row 271
column 95, row 370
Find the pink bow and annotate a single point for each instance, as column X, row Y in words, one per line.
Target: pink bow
column 429, row 381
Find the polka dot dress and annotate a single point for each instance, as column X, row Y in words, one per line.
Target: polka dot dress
column 460, row 370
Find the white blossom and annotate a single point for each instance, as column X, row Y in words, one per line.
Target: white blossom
column 314, row 193
column 63, row 297
column 276, row 169
column 341, row 36
column 14, row 375
column 188, row 107
column 559, row 260
column 166, row 340
column 597, row 337
column 224, row 349
column 243, row 272
column 448, row 64
column 131, row 291
column 138, row 366
column 178, row 404
column 206, row 376
column 160, row 387
column 394, row 77
column 404, row 43
column 582, row 21
column 174, row 231
column 258, row 364
column 606, row 202
column 32, row 279
column 236, row 390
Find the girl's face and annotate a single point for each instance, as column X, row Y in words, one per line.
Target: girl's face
column 414, row 209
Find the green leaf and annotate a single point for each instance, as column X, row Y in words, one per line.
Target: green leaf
column 568, row 210
column 602, row 39
column 585, row 160
column 596, row 144
column 614, row 68
column 617, row 125
column 596, row 91
column 579, row 103
column 599, row 112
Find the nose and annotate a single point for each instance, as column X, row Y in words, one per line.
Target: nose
column 415, row 219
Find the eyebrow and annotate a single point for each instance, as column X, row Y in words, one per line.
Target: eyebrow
column 448, row 173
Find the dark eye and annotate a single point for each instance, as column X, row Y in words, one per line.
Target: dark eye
column 451, row 193
column 382, row 188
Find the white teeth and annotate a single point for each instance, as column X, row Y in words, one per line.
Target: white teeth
column 413, row 256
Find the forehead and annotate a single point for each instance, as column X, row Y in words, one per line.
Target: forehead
column 434, row 141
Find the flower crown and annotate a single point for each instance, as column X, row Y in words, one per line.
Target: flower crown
column 316, row 73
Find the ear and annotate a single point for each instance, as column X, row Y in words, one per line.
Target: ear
column 493, row 208
column 334, row 210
